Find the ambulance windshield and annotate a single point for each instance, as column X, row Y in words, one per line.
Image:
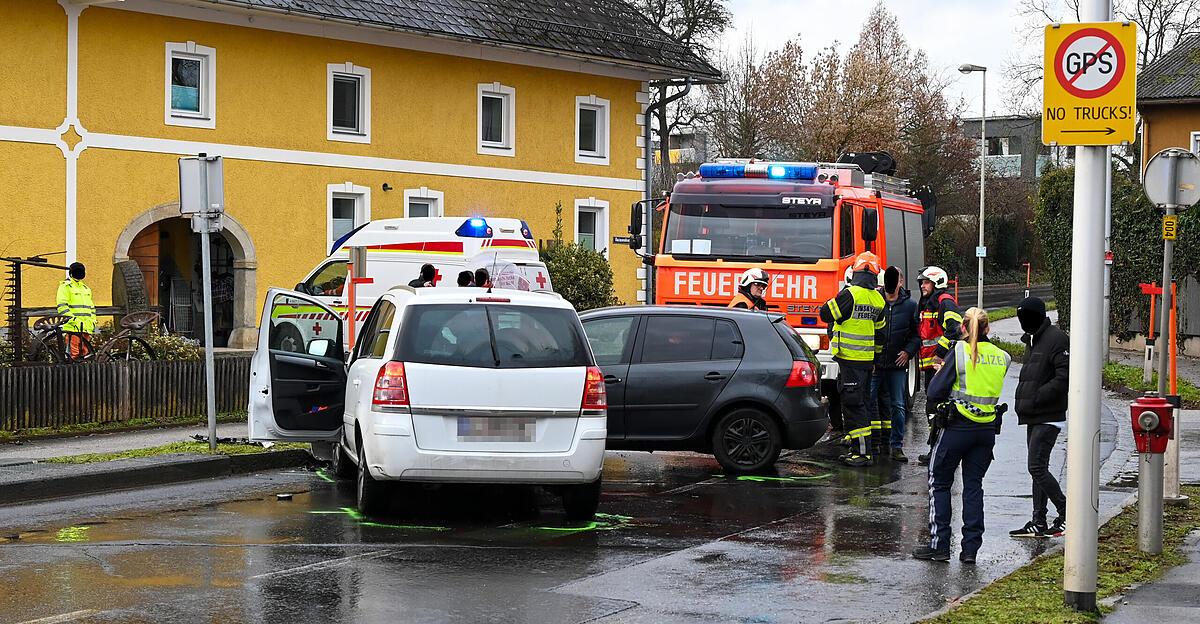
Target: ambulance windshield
column 798, row 233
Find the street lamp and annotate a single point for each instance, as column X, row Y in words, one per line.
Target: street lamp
column 967, row 69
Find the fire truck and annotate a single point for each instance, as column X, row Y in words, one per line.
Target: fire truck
column 801, row 222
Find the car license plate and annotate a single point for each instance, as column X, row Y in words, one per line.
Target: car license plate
column 473, row 429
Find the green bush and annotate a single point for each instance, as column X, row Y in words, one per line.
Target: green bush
column 581, row 275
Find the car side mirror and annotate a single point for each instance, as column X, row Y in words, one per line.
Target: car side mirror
column 870, row 224
column 320, row 347
column 636, row 215
column 302, row 288
column 635, row 242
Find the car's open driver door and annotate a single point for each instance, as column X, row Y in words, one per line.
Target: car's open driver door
column 297, row 395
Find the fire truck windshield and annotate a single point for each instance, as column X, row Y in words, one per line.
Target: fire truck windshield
column 799, row 233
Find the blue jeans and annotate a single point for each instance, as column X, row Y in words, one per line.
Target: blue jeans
column 889, row 387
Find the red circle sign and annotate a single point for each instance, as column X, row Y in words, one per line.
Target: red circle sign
column 1089, row 63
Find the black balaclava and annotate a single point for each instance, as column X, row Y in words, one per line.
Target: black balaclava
column 1032, row 314
column 77, row 270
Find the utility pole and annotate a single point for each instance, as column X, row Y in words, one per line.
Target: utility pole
column 1083, row 396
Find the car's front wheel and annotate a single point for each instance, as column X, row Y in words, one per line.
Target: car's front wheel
column 581, row 501
column 746, row 440
column 372, row 494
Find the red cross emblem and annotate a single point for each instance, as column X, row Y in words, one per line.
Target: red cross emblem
column 437, row 276
column 541, row 280
column 317, row 328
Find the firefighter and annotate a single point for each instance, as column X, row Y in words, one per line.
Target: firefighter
column 939, row 322
column 752, row 285
column 967, row 390
column 75, row 301
column 857, row 317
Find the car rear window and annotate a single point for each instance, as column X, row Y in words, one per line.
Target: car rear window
column 492, row 336
column 794, row 341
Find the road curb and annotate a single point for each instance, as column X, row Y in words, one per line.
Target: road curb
column 45, row 481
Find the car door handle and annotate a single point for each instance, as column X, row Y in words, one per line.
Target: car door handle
column 612, row 379
column 715, row 376
column 357, row 383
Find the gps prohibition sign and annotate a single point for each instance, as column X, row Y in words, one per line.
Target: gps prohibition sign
column 1089, row 63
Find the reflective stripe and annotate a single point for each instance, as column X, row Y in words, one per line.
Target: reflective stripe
column 863, row 337
column 861, row 432
column 929, row 343
column 943, row 342
column 951, row 315
column 971, row 398
column 854, row 347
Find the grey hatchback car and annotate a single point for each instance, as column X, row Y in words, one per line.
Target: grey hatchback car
column 739, row 384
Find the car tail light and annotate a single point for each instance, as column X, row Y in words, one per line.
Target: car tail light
column 391, row 387
column 803, row 375
column 824, row 343
column 493, row 300
column 595, row 397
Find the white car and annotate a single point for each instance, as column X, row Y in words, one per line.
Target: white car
column 444, row 385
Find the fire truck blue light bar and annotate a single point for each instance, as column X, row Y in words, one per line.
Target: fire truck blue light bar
column 758, row 170
column 722, row 171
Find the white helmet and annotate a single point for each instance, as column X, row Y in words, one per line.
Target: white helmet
column 935, row 275
column 754, row 276
column 848, row 274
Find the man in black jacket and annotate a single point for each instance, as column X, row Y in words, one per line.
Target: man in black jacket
column 1041, row 405
column 889, row 382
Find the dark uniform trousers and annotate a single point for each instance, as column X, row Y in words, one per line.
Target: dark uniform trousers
column 854, row 388
column 972, row 448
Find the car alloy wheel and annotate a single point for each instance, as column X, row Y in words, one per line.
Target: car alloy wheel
column 746, row 440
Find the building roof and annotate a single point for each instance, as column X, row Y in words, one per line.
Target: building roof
column 1174, row 76
column 605, row 30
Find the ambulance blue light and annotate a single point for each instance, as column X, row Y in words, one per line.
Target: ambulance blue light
column 792, row 172
column 722, row 171
column 474, row 228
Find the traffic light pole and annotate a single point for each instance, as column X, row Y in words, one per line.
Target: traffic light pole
column 1083, row 396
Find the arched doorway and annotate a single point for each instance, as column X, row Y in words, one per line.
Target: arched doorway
column 168, row 256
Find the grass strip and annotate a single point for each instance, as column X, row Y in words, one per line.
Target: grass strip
column 1033, row 594
column 198, row 448
column 116, row 425
column 999, row 314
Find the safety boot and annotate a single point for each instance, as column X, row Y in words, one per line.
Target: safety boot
column 854, row 460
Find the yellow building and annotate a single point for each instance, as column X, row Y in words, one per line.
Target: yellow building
column 326, row 117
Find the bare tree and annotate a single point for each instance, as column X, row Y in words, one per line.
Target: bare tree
column 737, row 121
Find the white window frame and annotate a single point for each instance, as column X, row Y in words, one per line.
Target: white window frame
column 363, row 75
column 435, row 199
column 507, row 147
column 600, row 105
column 600, row 208
column 207, row 117
column 1195, row 142
column 362, row 206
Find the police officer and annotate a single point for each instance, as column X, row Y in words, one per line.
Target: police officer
column 939, row 322
column 752, row 285
column 967, row 389
column 75, row 301
column 857, row 316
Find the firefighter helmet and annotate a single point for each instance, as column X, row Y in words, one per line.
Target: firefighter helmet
column 848, row 274
column 754, row 276
column 867, row 261
column 936, row 275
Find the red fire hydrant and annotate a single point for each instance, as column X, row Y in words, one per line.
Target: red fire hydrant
column 1153, row 423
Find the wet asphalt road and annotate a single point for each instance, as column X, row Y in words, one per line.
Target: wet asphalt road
column 677, row 542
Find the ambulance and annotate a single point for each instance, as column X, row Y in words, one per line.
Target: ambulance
column 801, row 222
column 393, row 252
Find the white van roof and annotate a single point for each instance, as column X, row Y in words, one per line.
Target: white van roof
column 544, row 299
column 445, row 235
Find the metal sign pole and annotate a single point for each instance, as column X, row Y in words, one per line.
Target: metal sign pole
column 1170, row 484
column 1107, row 247
column 206, row 272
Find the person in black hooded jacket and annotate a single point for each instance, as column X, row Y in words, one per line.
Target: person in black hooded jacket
column 1041, row 406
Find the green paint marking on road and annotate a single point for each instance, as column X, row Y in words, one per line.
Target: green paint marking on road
column 603, row 522
column 362, row 520
column 762, row 479
column 325, row 475
column 72, row 534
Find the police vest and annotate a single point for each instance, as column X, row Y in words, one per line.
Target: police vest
column 931, row 331
column 977, row 387
column 854, row 337
column 75, row 300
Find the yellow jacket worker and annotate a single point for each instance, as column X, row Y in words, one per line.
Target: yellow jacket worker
column 75, row 301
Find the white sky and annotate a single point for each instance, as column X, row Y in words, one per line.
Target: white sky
column 951, row 32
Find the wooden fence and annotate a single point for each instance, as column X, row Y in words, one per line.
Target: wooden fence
column 54, row 396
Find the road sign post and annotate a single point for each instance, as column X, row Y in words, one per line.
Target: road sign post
column 1172, row 182
column 202, row 197
column 1089, row 102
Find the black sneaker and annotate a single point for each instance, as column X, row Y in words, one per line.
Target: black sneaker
column 929, row 554
column 857, row 461
column 967, row 558
column 1030, row 529
column 1058, row 529
column 923, row 459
